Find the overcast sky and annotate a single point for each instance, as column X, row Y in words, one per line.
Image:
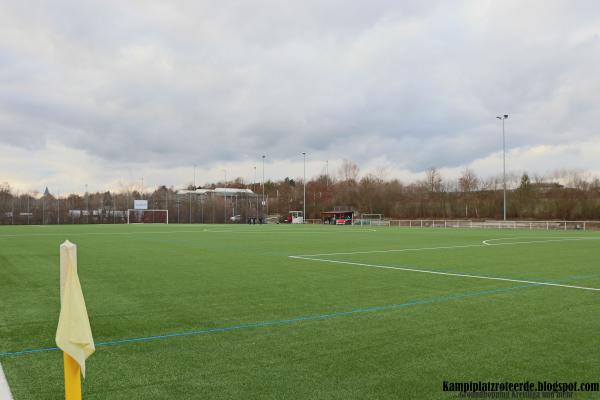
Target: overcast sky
column 106, row 92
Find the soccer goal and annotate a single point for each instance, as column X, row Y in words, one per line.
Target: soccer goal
column 371, row 219
column 147, row 216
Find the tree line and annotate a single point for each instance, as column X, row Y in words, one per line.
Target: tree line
column 562, row 195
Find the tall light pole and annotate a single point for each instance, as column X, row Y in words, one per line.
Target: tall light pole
column 194, row 176
column 304, row 199
column 190, row 198
column 225, row 199
column 254, row 190
column 263, row 184
column 503, row 118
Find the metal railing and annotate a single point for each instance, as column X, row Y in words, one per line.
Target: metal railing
column 492, row 224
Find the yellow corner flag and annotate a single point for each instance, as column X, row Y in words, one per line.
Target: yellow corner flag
column 73, row 335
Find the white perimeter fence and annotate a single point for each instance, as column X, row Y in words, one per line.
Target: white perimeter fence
column 445, row 223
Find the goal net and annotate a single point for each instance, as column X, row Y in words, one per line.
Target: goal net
column 147, row 216
column 371, row 219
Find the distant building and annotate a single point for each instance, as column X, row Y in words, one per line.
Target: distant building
column 218, row 192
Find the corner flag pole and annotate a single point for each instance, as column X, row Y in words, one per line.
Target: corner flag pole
column 72, row 378
column 73, row 335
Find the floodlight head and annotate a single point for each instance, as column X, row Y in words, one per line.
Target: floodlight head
column 497, row 116
column 505, row 116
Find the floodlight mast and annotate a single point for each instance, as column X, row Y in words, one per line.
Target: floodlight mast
column 262, row 205
column 503, row 118
column 225, row 199
column 194, row 176
column 190, row 196
column 254, row 190
column 304, row 199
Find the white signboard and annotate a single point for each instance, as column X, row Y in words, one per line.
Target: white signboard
column 140, row 204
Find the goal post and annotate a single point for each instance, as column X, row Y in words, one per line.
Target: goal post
column 370, row 219
column 147, row 216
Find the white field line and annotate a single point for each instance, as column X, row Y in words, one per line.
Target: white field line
column 351, row 230
column 387, row 251
column 170, row 232
column 310, row 257
column 424, row 271
column 4, row 388
column 545, row 240
column 92, row 234
column 484, row 244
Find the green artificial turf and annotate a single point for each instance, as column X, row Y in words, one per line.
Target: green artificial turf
column 299, row 328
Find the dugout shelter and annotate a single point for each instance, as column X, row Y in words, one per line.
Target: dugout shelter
column 338, row 216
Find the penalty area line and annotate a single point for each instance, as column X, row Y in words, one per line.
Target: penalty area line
column 484, row 243
column 545, row 240
column 425, row 271
column 4, row 388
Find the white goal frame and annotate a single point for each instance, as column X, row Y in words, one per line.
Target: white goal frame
column 143, row 211
column 371, row 219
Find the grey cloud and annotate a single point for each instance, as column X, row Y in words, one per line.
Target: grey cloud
column 418, row 83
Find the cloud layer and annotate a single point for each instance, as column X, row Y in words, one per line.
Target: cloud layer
column 120, row 90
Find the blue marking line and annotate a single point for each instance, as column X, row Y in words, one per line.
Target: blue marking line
column 318, row 317
column 282, row 321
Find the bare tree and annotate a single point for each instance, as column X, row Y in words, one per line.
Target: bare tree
column 433, row 180
column 468, row 181
column 348, row 171
column 381, row 173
